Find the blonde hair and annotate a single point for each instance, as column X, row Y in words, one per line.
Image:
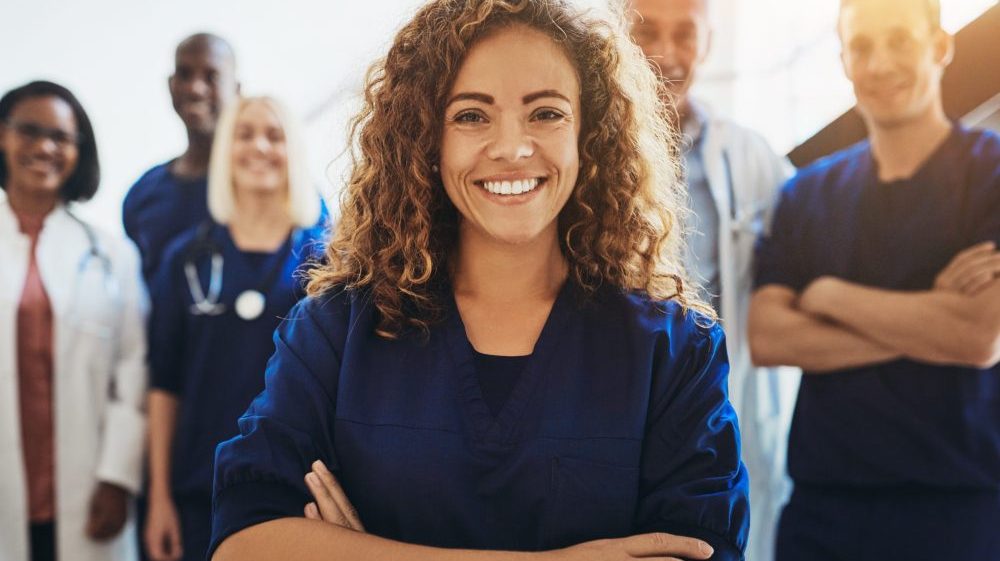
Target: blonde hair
column 622, row 226
column 303, row 199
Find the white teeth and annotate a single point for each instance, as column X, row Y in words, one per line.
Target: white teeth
column 510, row 187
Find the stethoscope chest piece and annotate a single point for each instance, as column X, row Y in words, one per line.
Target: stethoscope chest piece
column 249, row 305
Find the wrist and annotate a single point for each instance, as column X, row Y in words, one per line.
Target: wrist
column 160, row 490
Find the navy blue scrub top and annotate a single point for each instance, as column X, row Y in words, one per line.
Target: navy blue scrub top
column 215, row 363
column 619, row 424
column 902, row 423
column 158, row 208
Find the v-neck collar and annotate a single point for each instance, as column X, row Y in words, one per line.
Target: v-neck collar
column 499, row 430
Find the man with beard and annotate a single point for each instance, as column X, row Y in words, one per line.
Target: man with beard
column 881, row 280
column 733, row 178
column 171, row 197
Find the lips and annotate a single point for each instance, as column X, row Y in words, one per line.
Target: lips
column 40, row 166
column 510, row 186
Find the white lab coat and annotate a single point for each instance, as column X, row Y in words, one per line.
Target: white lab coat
column 99, row 381
column 744, row 176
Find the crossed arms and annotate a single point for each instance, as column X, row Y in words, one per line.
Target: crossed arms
column 834, row 324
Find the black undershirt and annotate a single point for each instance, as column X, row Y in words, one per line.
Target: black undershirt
column 497, row 377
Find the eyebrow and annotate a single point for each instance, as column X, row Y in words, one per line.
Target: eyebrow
column 489, row 100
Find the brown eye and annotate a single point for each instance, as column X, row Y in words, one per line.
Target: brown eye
column 470, row 117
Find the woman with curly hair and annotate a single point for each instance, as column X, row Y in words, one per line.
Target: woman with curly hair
column 500, row 354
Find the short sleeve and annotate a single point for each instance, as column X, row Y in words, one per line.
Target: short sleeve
column 692, row 482
column 985, row 200
column 777, row 258
column 259, row 473
column 167, row 327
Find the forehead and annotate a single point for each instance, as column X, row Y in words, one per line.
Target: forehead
column 516, row 61
column 880, row 17
column 204, row 54
column 664, row 12
column 257, row 113
column 48, row 110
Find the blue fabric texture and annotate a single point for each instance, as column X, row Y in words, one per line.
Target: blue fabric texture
column 619, row 424
column 903, row 423
column 159, row 207
column 215, row 363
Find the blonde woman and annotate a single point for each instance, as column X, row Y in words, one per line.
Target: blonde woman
column 222, row 290
column 500, row 354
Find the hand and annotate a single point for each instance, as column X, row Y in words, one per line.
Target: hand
column 162, row 536
column 331, row 503
column 108, row 511
column 972, row 270
column 819, row 293
column 658, row 546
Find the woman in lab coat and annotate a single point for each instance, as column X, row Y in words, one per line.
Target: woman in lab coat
column 72, row 343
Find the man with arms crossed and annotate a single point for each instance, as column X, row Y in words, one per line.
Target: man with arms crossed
column 879, row 278
column 733, row 178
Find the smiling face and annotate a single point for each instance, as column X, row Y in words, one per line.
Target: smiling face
column 675, row 36
column 509, row 157
column 260, row 153
column 895, row 57
column 39, row 144
column 203, row 82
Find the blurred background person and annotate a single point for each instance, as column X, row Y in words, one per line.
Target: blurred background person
column 72, row 358
column 170, row 197
column 880, row 278
column 221, row 291
column 733, row 178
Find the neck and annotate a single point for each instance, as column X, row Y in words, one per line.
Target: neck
column 901, row 150
column 24, row 202
column 193, row 163
column 260, row 222
column 496, row 271
column 683, row 109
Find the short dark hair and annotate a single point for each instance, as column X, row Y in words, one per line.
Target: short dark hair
column 931, row 7
column 82, row 184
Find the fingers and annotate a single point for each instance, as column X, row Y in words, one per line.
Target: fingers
column 968, row 267
column 978, row 274
column 163, row 536
column 328, row 509
column 312, row 512
column 661, row 544
column 338, row 494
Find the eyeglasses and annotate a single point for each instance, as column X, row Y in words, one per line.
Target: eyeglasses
column 33, row 132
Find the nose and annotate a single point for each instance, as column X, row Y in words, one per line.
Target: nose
column 879, row 61
column 197, row 87
column 511, row 142
column 46, row 145
column 261, row 144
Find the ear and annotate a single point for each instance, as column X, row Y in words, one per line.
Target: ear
column 944, row 48
column 709, row 36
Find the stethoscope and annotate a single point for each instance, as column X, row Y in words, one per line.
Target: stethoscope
column 250, row 303
column 94, row 254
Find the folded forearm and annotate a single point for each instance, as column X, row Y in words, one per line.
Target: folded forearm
column 782, row 335
column 930, row 326
column 312, row 540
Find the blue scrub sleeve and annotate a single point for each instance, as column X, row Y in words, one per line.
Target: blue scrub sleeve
column 692, row 482
column 167, row 328
column 259, row 473
column 986, row 200
column 777, row 258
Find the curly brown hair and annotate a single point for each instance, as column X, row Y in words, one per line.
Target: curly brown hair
column 398, row 230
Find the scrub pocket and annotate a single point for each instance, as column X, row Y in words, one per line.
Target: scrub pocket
column 589, row 501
